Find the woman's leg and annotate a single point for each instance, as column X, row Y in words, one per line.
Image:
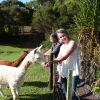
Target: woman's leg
column 64, row 86
column 74, row 86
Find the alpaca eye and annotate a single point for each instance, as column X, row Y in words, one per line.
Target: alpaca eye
column 36, row 55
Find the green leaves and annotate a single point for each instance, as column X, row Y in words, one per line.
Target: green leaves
column 50, row 16
column 87, row 13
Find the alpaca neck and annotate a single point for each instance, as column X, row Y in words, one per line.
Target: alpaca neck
column 24, row 65
column 18, row 61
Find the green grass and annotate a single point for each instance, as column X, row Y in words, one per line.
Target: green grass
column 10, row 53
column 98, row 73
column 36, row 81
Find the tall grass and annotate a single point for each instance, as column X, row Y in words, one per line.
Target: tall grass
column 36, row 81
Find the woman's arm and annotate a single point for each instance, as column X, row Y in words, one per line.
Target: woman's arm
column 56, row 48
column 60, row 58
column 47, row 53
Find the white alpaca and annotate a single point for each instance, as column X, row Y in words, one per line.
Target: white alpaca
column 14, row 77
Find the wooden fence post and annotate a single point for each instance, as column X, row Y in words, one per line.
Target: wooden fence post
column 54, row 76
column 50, row 85
column 69, row 85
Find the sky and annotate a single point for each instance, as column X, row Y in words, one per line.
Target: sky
column 24, row 1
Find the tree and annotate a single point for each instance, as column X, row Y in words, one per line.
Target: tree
column 50, row 16
column 14, row 14
column 88, row 23
column 43, row 17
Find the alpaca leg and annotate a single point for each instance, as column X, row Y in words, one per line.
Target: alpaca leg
column 13, row 91
column 17, row 92
column 1, row 92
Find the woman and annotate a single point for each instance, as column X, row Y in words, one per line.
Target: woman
column 68, row 56
column 54, row 50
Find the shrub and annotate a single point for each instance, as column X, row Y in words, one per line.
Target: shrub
column 96, row 90
column 46, row 44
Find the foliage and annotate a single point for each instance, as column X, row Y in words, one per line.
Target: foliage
column 61, row 14
column 96, row 90
column 47, row 15
column 52, row 15
column 98, row 73
column 46, row 44
column 42, row 18
column 8, row 3
column 13, row 14
column 87, row 22
column 88, row 14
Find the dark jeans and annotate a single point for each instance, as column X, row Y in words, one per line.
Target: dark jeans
column 74, row 86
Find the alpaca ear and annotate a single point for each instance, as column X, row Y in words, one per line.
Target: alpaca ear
column 36, row 49
column 39, row 48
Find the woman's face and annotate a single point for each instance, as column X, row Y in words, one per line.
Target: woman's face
column 63, row 37
column 53, row 40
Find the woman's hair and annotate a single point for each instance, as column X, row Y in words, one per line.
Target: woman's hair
column 64, row 32
column 53, row 35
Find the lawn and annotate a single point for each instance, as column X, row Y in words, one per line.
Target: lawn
column 36, row 81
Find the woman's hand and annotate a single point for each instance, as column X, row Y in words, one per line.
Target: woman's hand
column 50, row 62
column 44, row 64
column 47, row 64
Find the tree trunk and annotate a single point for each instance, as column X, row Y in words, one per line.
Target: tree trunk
column 87, row 62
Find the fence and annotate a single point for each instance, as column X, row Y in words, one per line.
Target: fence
column 58, row 93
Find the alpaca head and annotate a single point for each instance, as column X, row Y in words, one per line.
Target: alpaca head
column 36, row 56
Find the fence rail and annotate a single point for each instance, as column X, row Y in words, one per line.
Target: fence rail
column 58, row 93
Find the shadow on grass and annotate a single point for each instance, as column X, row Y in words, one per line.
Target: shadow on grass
column 48, row 96
column 21, row 41
column 36, row 83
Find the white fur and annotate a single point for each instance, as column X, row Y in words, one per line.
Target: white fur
column 14, row 77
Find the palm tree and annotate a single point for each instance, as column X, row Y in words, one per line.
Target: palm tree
column 87, row 21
